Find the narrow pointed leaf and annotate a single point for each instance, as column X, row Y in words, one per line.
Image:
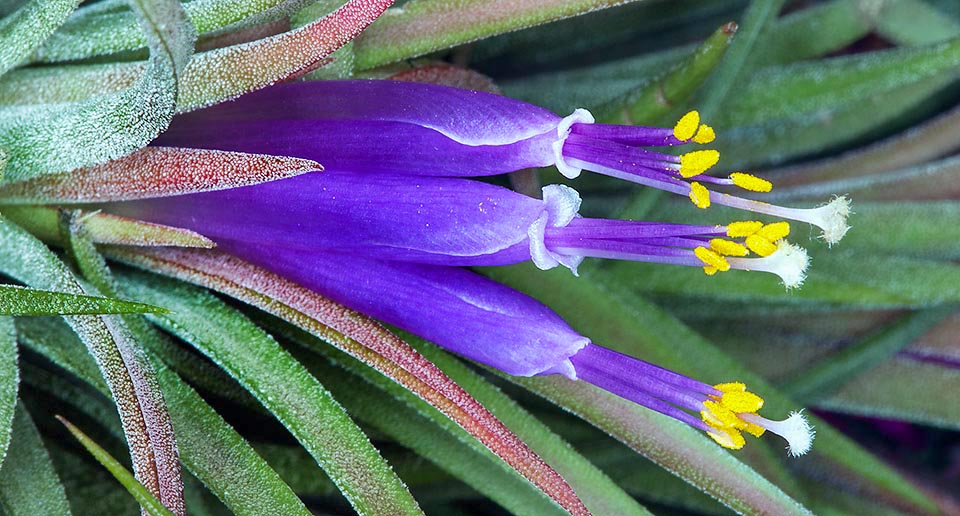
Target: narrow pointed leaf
column 25, row 29
column 16, row 300
column 363, row 339
column 9, row 381
column 424, row 26
column 144, row 497
column 103, row 228
column 155, row 172
column 28, row 483
column 286, row 389
column 44, row 139
column 27, row 260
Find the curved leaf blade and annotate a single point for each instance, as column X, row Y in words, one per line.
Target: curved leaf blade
column 44, row 139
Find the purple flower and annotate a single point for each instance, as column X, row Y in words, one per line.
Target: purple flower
column 422, row 129
column 452, row 221
column 384, row 228
column 500, row 327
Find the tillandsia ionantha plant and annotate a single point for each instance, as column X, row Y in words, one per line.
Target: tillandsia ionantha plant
column 210, row 209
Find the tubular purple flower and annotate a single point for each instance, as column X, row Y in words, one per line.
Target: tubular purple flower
column 502, row 328
column 452, row 221
column 423, row 129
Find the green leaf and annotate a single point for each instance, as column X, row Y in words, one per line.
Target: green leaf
column 151, row 505
column 805, row 107
column 811, row 32
column 9, row 381
column 424, row 26
column 656, row 98
column 834, row 370
column 903, row 389
column 25, row 29
column 286, row 389
column 914, row 22
column 28, row 483
column 249, row 487
column 601, row 306
column 16, row 300
column 758, row 18
column 43, row 139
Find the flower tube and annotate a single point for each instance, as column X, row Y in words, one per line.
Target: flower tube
column 452, row 221
column 423, row 129
column 495, row 325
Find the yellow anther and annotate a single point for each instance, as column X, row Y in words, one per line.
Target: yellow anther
column 743, row 229
column 741, row 401
column 705, row 134
column 686, row 126
column 775, row 231
column 712, row 258
column 697, row 162
column 699, row 195
column 710, row 270
column 718, row 416
column 751, row 182
column 728, row 248
column 731, row 387
column 728, row 438
column 760, row 245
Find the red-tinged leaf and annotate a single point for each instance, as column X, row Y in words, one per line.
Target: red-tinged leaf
column 212, row 76
column 229, row 72
column 424, row 26
column 363, row 339
column 103, row 228
column 152, row 443
column 155, row 172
